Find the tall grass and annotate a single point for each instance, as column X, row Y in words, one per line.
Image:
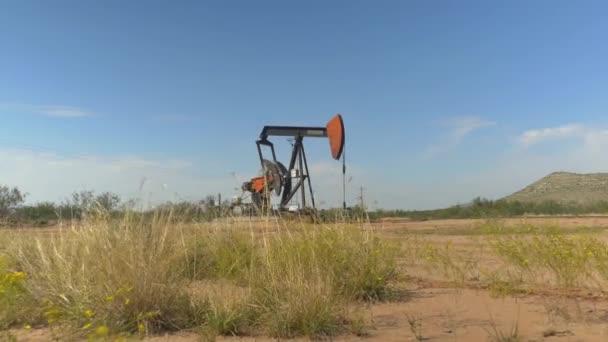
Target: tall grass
column 306, row 277
column 523, row 258
column 300, row 278
column 139, row 275
column 111, row 275
column 519, row 259
column 227, row 253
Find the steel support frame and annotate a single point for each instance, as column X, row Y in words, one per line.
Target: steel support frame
column 298, row 161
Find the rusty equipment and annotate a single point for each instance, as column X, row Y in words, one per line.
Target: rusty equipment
column 286, row 182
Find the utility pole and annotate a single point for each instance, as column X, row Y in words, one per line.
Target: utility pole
column 344, row 180
column 361, row 199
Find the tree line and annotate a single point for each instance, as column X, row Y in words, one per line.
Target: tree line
column 15, row 211
column 486, row 208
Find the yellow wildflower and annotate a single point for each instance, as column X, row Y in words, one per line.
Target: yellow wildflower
column 102, row 331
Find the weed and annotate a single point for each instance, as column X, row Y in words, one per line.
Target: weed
column 455, row 267
column 17, row 306
column 498, row 335
column 415, row 324
column 358, row 327
column 361, row 264
column 307, row 276
column 227, row 254
column 8, row 337
column 502, row 284
column 567, row 259
column 224, row 318
column 552, row 332
column 292, row 294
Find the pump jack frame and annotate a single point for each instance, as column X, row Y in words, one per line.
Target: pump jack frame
column 297, row 161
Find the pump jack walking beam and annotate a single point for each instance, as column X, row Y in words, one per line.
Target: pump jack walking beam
column 334, row 131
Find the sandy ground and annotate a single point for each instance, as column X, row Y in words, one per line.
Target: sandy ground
column 436, row 311
column 467, row 315
column 562, row 221
column 457, row 315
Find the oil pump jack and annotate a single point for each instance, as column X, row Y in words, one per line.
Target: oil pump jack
column 286, row 182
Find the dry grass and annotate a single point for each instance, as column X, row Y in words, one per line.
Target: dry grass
column 511, row 260
column 110, row 276
column 138, row 275
column 566, row 261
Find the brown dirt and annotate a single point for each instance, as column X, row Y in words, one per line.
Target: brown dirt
column 562, row 221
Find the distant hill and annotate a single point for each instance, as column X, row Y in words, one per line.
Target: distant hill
column 565, row 187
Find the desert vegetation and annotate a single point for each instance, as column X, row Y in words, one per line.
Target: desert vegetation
column 110, row 272
column 136, row 275
column 14, row 211
column 502, row 208
column 520, row 258
column 285, row 279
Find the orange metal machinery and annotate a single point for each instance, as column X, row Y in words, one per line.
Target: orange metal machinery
column 288, row 181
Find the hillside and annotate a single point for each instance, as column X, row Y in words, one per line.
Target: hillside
column 566, row 187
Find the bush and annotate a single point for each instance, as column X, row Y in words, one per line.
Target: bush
column 39, row 214
column 10, row 200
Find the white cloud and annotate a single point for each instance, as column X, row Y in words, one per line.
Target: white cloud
column 501, row 174
column 535, row 136
column 462, row 126
column 64, row 112
column 176, row 117
column 518, row 167
column 326, row 177
column 52, row 111
column 457, row 129
column 49, row 176
column 509, row 170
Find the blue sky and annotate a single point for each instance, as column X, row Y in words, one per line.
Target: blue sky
column 443, row 100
